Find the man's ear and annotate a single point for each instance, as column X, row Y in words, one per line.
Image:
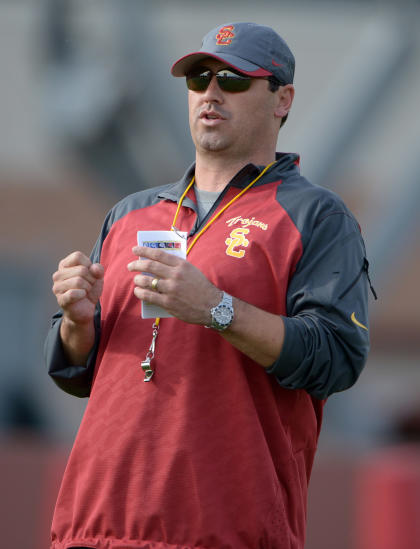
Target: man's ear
column 285, row 95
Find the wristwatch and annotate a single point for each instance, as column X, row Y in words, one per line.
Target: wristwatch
column 222, row 314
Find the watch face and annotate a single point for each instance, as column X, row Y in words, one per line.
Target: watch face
column 223, row 315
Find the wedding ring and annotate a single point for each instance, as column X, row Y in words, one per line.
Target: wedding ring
column 155, row 283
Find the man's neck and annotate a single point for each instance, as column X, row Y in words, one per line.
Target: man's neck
column 214, row 173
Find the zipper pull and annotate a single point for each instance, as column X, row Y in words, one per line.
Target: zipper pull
column 366, row 268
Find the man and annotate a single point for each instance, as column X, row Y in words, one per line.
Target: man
column 216, row 449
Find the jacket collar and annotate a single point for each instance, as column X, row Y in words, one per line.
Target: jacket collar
column 285, row 164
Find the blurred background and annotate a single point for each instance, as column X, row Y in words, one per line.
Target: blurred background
column 90, row 113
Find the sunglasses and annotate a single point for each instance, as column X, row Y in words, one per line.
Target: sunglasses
column 228, row 80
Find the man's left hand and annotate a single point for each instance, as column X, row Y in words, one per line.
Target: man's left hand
column 182, row 289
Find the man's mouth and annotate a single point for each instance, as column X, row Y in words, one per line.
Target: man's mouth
column 211, row 115
column 211, row 118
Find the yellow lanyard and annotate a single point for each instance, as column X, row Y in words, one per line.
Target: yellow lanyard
column 146, row 363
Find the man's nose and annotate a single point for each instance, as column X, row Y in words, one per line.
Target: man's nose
column 213, row 91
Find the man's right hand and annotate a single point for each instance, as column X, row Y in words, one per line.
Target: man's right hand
column 78, row 285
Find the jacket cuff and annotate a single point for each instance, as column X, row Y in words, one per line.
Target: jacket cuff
column 73, row 379
column 293, row 350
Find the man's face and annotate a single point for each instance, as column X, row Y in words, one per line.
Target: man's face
column 238, row 124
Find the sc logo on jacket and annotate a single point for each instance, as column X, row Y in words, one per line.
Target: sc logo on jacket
column 235, row 240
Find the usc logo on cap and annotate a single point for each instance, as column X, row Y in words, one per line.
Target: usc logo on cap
column 225, row 35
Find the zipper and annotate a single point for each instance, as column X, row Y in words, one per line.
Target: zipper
column 365, row 268
column 201, row 223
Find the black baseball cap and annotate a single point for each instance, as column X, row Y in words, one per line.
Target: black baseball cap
column 255, row 50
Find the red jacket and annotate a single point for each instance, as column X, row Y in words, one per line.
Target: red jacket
column 215, row 452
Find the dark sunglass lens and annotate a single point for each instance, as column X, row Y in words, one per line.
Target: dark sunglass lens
column 232, row 82
column 228, row 81
column 198, row 81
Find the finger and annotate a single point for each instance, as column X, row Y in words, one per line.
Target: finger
column 70, row 297
column 74, row 259
column 74, row 272
column 150, row 296
column 150, row 266
column 97, row 270
column 75, row 283
column 161, row 256
column 146, row 282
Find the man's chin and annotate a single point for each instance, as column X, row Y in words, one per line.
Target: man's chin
column 212, row 144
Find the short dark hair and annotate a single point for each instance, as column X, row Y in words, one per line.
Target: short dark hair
column 273, row 85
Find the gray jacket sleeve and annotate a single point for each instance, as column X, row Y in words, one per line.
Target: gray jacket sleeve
column 73, row 379
column 326, row 329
